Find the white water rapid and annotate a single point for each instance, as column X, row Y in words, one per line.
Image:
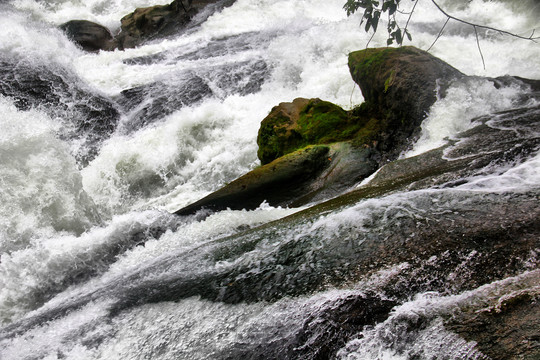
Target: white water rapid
column 75, row 236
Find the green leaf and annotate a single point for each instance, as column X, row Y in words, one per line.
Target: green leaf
column 392, row 9
column 375, row 20
column 408, row 35
column 399, row 38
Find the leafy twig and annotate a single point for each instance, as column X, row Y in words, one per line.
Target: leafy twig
column 409, row 19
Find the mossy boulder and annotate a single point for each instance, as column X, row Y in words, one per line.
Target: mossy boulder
column 399, row 86
column 294, row 125
column 279, row 183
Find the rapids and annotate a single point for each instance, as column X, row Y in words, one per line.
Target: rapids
column 94, row 266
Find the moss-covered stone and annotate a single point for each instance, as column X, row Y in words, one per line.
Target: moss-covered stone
column 399, row 86
column 292, row 126
column 279, row 183
column 278, row 134
column 313, row 173
column 323, row 122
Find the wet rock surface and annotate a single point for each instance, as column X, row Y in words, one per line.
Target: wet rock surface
column 399, row 86
column 90, row 117
column 278, row 183
column 89, row 35
column 313, row 173
column 507, row 327
column 438, row 238
column 147, row 23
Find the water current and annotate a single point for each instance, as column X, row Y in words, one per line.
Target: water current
column 94, row 266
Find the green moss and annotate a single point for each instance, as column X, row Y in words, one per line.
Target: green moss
column 275, row 139
column 370, row 132
column 368, row 62
column 323, row 122
column 390, row 80
column 319, row 122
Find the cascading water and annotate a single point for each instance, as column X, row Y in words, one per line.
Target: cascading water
column 94, row 266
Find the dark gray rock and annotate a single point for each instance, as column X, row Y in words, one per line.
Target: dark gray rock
column 89, row 35
column 158, row 21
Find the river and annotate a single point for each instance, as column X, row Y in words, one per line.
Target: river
column 86, row 231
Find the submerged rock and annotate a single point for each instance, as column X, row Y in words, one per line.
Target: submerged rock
column 89, row 35
column 148, row 103
column 89, row 117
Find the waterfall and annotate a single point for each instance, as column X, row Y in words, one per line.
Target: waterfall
column 93, row 265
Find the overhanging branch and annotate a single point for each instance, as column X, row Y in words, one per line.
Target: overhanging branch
column 530, row 37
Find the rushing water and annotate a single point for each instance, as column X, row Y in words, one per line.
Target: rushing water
column 77, row 208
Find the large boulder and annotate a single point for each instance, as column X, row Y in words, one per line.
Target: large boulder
column 399, row 86
column 89, row 35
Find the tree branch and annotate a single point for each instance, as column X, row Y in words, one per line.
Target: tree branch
column 480, row 50
column 440, row 33
column 484, row 27
column 371, row 38
column 410, row 16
